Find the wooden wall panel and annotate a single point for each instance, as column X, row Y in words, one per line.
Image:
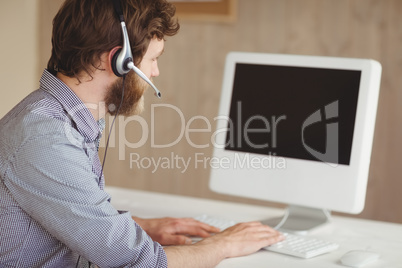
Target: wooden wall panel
column 191, row 76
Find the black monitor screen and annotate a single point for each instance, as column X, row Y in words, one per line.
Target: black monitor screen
column 296, row 112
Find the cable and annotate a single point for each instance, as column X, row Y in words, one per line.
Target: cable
column 110, row 129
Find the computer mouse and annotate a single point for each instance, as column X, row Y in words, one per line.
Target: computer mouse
column 359, row 258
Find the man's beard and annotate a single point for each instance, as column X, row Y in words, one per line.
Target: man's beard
column 133, row 102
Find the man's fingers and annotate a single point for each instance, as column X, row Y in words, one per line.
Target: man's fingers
column 195, row 228
column 257, row 232
column 270, row 240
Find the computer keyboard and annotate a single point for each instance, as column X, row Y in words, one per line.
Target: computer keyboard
column 302, row 246
column 294, row 245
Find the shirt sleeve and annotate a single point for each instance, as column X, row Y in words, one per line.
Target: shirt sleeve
column 52, row 180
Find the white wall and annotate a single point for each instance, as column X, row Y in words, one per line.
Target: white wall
column 19, row 74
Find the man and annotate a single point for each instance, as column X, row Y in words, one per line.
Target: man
column 54, row 212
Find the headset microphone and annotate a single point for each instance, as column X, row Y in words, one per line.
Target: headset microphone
column 122, row 61
column 144, row 77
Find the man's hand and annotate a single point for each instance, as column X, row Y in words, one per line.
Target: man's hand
column 245, row 238
column 239, row 240
column 175, row 231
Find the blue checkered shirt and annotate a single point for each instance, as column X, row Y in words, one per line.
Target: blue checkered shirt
column 53, row 209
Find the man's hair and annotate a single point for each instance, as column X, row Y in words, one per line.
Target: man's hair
column 85, row 29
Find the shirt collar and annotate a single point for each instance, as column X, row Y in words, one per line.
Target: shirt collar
column 86, row 124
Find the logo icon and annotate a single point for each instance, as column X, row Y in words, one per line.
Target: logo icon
column 331, row 154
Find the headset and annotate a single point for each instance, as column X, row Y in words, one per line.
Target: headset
column 122, row 61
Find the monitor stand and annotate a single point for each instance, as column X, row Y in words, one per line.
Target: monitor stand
column 299, row 219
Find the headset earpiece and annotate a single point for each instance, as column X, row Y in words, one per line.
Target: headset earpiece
column 114, row 63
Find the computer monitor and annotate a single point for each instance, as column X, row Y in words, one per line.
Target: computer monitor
column 296, row 130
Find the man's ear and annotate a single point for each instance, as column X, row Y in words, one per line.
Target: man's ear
column 112, row 57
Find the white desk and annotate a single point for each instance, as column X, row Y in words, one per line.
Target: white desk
column 383, row 238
